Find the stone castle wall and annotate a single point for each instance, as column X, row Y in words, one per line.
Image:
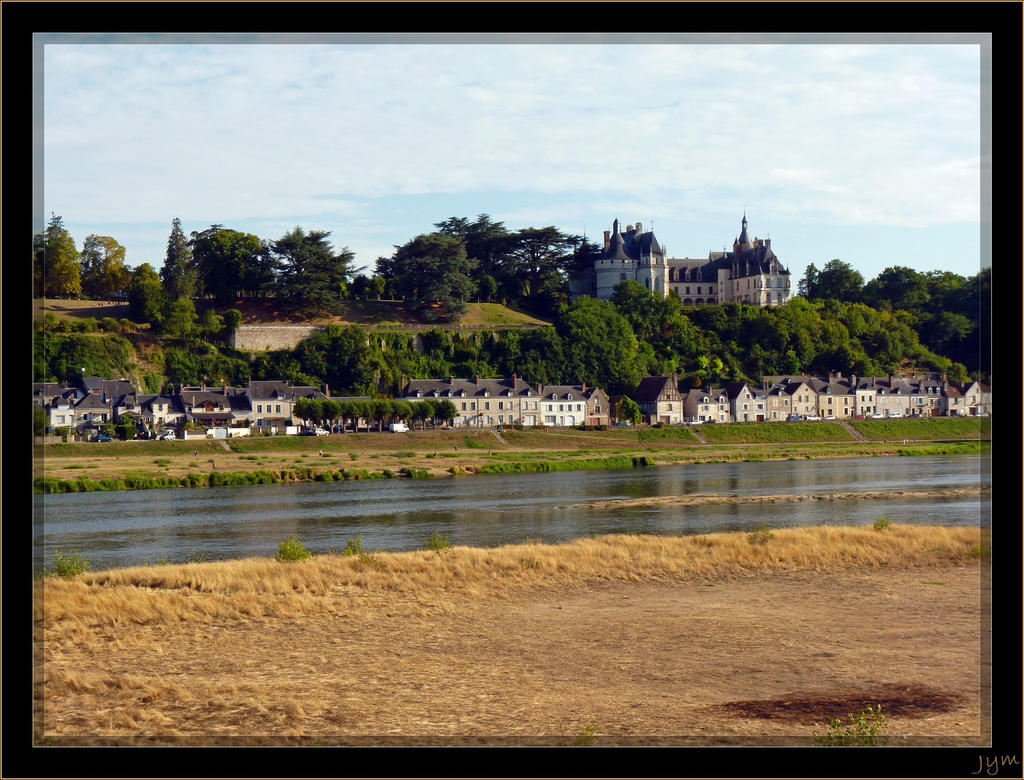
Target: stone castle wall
column 260, row 338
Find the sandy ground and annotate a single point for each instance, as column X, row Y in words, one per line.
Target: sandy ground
column 766, row 659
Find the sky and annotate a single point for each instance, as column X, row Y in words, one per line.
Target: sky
column 867, row 149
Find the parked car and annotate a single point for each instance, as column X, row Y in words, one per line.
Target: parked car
column 398, row 427
column 877, row 416
column 858, row 417
column 793, row 418
column 321, row 431
column 103, row 437
column 830, row 417
column 307, row 432
column 812, row 417
column 167, row 436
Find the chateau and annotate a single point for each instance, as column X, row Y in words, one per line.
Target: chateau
column 750, row 273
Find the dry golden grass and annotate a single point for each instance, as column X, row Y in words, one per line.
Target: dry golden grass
column 264, row 587
column 687, row 635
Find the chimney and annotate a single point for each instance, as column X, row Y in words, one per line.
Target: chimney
column 327, row 391
column 451, row 381
column 584, row 389
column 515, row 381
column 607, row 238
column 476, row 381
column 831, row 376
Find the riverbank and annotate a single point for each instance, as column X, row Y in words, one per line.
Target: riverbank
column 129, row 465
column 693, row 640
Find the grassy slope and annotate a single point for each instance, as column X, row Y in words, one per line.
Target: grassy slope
column 447, row 452
column 366, row 313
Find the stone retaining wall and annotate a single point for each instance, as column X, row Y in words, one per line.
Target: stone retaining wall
column 260, row 338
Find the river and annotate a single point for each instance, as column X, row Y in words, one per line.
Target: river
column 128, row 528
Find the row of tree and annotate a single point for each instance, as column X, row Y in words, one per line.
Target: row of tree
column 345, row 414
column 435, row 273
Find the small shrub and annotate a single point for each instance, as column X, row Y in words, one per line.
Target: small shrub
column 354, row 546
column 439, row 543
column 292, row 550
column 371, row 561
column 882, row 523
column 586, row 735
column 762, row 535
column 867, row 728
column 69, row 564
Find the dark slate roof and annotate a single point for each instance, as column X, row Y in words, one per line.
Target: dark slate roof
column 631, row 244
column 733, row 389
column 307, row 392
column 562, row 392
column 711, row 393
column 112, row 387
column 262, row 389
column 92, row 402
column 652, row 387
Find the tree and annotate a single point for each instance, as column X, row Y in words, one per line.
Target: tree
column 312, row 275
column 432, row 273
column 600, row 348
column 629, row 410
column 211, row 323
column 489, row 244
column 57, row 261
column 900, row 287
column 232, row 319
column 227, row 261
column 146, row 297
column 837, row 280
column 179, row 273
column 180, row 319
column 445, row 411
column 540, row 258
column 104, row 274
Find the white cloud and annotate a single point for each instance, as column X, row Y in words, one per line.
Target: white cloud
column 860, row 134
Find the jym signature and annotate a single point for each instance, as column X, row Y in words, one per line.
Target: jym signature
column 990, row 765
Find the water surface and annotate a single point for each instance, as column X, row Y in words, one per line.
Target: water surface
column 128, row 528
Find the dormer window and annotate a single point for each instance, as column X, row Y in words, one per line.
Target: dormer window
column 419, row 393
column 570, row 396
column 554, row 396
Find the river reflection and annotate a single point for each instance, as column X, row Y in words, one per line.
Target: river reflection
column 132, row 527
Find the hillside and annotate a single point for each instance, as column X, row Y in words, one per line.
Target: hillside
column 267, row 312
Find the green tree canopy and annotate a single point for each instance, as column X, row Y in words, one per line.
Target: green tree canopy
column 227, row 261
column 432, row 273
column 179, row 273
column 56, row 261
column 104, row 274
column 837, row 280
column 599, row 345
column 312, row 275
column 146, row 297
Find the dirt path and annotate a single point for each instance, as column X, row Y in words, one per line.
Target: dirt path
column 760, row 658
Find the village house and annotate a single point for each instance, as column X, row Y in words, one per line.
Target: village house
column 659, row 400
column 707, row 405
column 746, row 403
column 568, row 405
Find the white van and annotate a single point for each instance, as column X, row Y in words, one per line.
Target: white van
column 398, row 427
